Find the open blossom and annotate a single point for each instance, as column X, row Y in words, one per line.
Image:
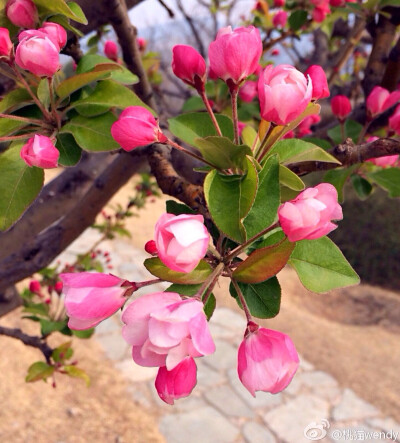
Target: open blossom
column 284, row 93
column 135, row 127
column 320, row 88
column 189, row 66
column 267, row 360
column 381, row 99
column 309, row 215
column 111, row 50
column 5, row 43
column 181, row 241
column 91, row 297
column 163, row 330
column 39, row 151
column 22, row 13
column 177, row 383
column 34, row 48
column 235, row 54
column 341, row 106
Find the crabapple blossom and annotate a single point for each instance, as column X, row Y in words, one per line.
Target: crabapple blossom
column 22, row 13
column 341, row 106
column 40, row 151
column 320, row 88
column 189, row 66
column 5, row 43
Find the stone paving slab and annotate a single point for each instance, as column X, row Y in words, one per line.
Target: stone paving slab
column 220, row 409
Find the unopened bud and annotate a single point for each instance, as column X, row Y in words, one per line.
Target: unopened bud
column 58, row 287
column 34, row 286
column 150, row 247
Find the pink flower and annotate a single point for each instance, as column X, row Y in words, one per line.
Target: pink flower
column 304, row 127
column 309, row 215
column 150, row 247
column 248, row 91
column 241, row 126
column 177, row 383
column 111, row 50
column 394, row 121
column 135, row 127
column 341, row 106
column 22, row 13
column 319, row 82
column 189, row 66
column 279, row 20
column 337, row 3
column 35, row 286
column 55, row 32
column 91, row 297
column 234, row 55
column 38, row 54
column 279, row 3
column 381, row 99
column 275, row 52
column 5, row 43
column 284, row 93
column 39, row 151
column 163, row 329
column 181, row 241
column 320, row 12
column 142, row 43
column 267, row 360
column 388, row 161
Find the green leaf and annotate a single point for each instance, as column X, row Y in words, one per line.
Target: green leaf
column 324, row 144
column 16, row 97
column 63, row 352
column 297, row 19
column 289, row 179
column 173, row 207
column 73, row 371
column 338, row 178
column 264, row 210
column 123, row 75
column 37, row 308
column 92, row 134
column 294, row 150
column 352, row 129
column 229, row 199
column 189, row 127
column 70, row 152
column 263, row 299
column 264, row 263
column 221, row 152
column 321, row 266
column 362, row 187
column 249, row 136
column 19, row 185
column 61, row 7
column 78, row 81
column 156, row 267
column 193, row 104
column 43, row 92
column 39, row 371
column 77, row 11
column 86, row 333
column 388, row 179
column 9, row 126
column 110, row 94
column 48, row 326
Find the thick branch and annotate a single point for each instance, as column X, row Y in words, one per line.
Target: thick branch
column 392, row 73
column 349, row 154
column 29, row 340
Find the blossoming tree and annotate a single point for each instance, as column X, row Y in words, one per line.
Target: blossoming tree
column 252, row 215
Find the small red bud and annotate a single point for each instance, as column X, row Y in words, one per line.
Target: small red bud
column 58, row 287
column 150, row 247
column 47, row 301
column 34, row 286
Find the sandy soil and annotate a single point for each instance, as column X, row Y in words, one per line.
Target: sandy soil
column 352, row 334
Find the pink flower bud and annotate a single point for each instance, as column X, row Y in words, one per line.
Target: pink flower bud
column 275, row 51
column 142, row 43
column 320, row 12
column 111, row 50
column 150, row 247
column 248, row 91
column 55, row 32
column 22, row 13
column 234, row 55
column 35, row 287
column 58, row 287
column 91, row 297
column 341, row 106
column 177, row 383
column 181, row 240
column 319, row 82
column 309, row 215
column 394, row 121
column 5, row 43
column 135, row 127
column 279, row 20
column 376, row 100
column 163, row 329
column 388, row 161
column 33, row 49
column 279, row 3
column 189, row 66
column 337, row 3
column 267, row 361
column 284, row 93
column 39, row 151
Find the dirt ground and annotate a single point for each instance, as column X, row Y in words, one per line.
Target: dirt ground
column 352, row 334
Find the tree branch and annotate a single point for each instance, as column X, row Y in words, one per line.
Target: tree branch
column 391, row 76
column 29, row 340
column 167, row 8
column 192, row 26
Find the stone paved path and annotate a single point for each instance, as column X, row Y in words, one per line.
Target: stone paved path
column 220, row 410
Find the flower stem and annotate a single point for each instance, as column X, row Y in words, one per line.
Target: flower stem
column 32, row 121
column 234, row 94
column 342, row 130
column 53, row 104
column 242, row 247
column 210, row 282
column 242, row 301
column 210, row 112
column 142, row 284
column 18, row 137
